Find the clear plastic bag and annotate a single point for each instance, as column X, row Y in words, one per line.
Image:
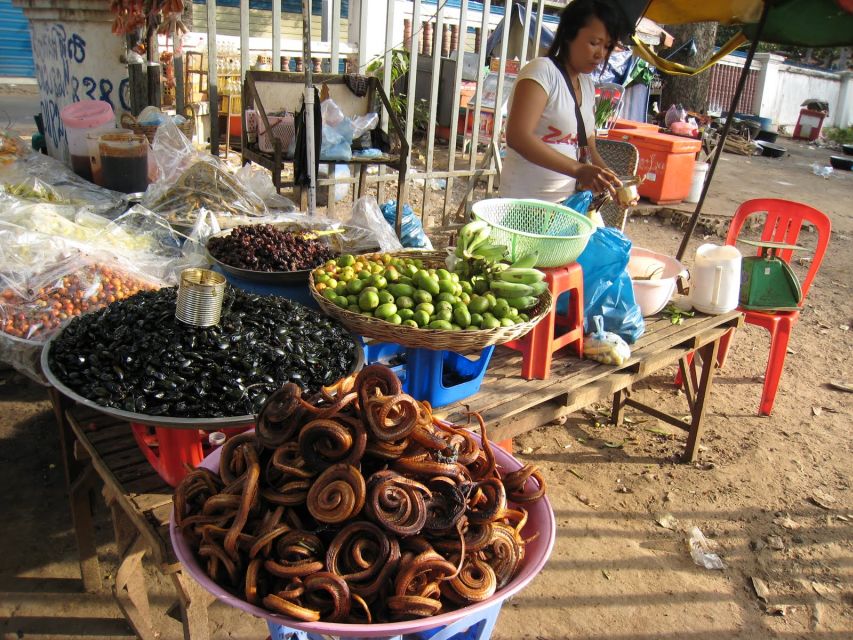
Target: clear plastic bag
column 189, row 181
column 367, row 215
column 338, row 133
column 604, row 346
column 138, row 235
column 259, row 180
column 34, row 189
column 20, row 166
column 204, row 184
column 363, row 124
column 36, row 303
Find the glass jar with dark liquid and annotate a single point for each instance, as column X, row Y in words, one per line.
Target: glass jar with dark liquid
column 124, row 162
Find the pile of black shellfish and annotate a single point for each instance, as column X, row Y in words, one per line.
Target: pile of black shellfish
column 136, row 356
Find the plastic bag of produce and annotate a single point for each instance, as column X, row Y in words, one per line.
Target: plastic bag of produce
column 189, row 181
column 36, row 303
column 206, row 183
column 138, row 235
column 20, row 166
column 34, row 189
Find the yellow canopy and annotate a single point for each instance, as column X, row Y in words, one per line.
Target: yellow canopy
column 723, row 11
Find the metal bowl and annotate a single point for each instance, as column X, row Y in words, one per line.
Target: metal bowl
column 206, row 424
column 771, row 150
column 840, row 162
column 262, row 277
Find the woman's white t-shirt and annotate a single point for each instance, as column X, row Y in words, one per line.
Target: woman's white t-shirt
column 521, row 178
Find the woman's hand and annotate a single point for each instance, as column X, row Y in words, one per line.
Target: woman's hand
column 597, row 179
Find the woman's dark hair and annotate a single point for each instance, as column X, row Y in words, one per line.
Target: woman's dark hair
column 575, row 17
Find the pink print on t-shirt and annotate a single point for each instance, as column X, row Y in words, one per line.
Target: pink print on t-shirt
column 555, row 136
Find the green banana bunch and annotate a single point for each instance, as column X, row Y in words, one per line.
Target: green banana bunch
column 521, row 276
column 471, row 236
column 526, row 261
column 510, row 290
column 489, row 252
column 523, row 302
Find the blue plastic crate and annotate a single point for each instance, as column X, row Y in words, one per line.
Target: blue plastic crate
column 476, row 626
column 437, row 377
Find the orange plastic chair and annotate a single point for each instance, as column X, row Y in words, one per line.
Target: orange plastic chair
column 784, row 221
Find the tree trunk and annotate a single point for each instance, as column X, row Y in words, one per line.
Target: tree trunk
column 690, row 91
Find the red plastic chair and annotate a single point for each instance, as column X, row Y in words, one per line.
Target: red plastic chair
column 784, row 221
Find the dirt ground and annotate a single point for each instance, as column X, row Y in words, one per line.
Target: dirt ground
column 773, row 495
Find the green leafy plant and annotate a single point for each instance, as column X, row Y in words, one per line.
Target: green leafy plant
column 840, row 135
column 400, row 65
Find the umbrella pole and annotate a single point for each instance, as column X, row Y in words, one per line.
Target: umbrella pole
column 309, row 107
column 694, row 219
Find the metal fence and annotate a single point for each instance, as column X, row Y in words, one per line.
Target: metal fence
column 724, row 78
column 448, row 27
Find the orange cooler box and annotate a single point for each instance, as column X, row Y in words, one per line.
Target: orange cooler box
column 633, row 124
column 666, row 161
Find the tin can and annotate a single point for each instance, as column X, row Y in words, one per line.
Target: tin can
column 200, row 295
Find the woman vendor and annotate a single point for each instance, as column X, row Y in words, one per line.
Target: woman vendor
column 551, row 127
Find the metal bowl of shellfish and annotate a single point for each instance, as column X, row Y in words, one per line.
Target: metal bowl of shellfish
column 151, row 389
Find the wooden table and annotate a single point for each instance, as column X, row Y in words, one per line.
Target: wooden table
column 512, row 406
column 96, row 446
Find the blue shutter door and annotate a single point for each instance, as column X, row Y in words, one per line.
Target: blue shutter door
column 16, row 53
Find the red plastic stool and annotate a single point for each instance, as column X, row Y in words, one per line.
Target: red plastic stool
column 554, row 331
column 172, row 451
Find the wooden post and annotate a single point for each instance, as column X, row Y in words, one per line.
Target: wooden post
column 445, row 41
column 155, row 85
column 138, row 87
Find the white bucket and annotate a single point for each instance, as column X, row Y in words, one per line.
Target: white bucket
column 715, row 279
column 700, row 170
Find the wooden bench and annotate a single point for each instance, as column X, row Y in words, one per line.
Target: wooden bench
column 272, row 91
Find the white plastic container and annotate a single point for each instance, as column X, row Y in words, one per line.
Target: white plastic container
column 700, row 170
column 715, row 279
column 654, row 278
column 80, row 120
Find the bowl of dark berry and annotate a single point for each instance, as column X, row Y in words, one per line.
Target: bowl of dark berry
column 270, row 254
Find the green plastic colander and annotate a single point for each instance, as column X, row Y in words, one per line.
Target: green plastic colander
column 558, row 233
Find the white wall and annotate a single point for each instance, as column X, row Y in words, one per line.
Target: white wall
column 796, row 85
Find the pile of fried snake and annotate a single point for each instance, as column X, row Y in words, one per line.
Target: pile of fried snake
column 357, row 506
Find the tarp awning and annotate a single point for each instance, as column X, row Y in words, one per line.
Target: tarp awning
column 805, row 23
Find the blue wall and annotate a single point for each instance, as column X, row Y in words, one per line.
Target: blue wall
column 16, row 52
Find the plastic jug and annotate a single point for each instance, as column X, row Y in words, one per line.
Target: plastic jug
column 80, row 119
column 715, row 279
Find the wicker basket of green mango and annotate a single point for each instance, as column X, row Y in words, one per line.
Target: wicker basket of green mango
column 411, row 298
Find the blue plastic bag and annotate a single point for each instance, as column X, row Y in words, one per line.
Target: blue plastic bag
column 607, row 288
column 579, row 201
column 412, row 231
